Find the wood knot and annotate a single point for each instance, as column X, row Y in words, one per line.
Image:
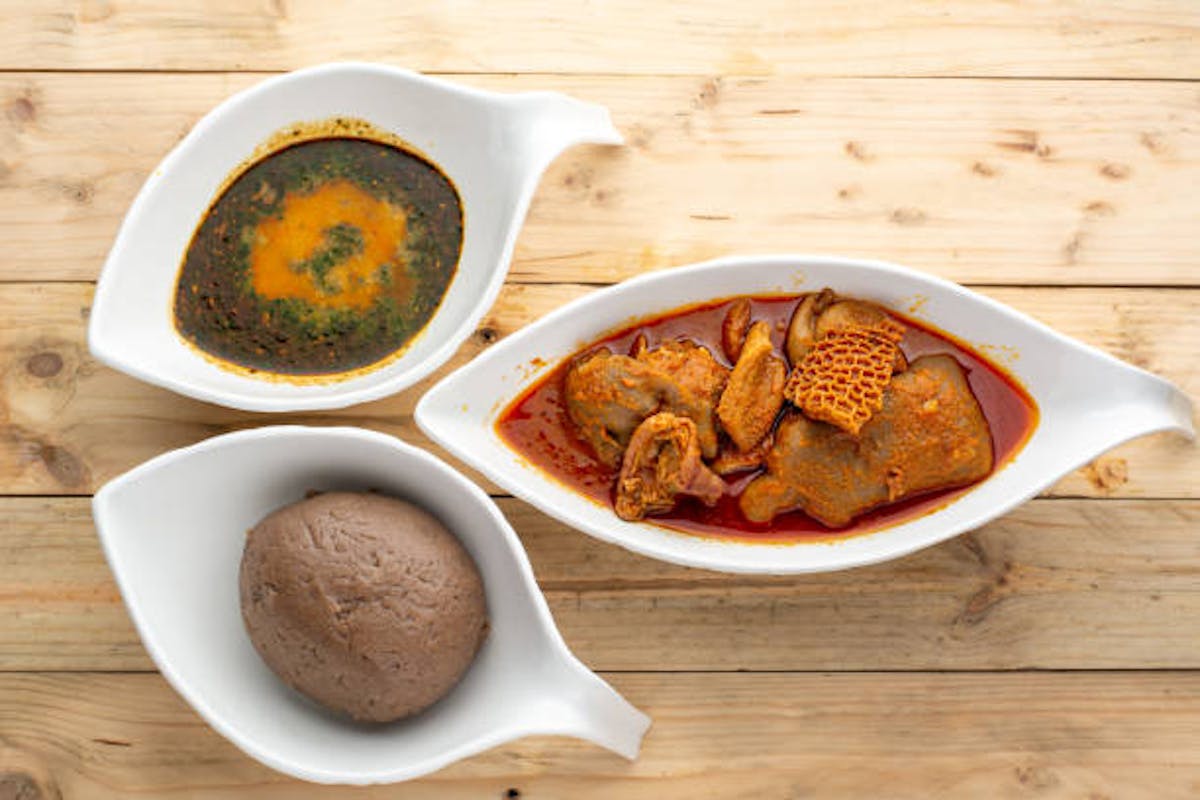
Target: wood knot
column 46, row 364
column 981, row 604
column 487, row 334
column 63, row 465
column 581, row 179
column 856, row 150
column 709, row 94
column 1114, row 171
column 80, row 192
column 908, row 216
column 512, row 794
column 1023, row 140
column 22, row 110
column 983, row 169
column 1036, row 777
column 1153, row 142
column 1071, row 248
column 19, row 786
column 1099, row 208
column 639, row 136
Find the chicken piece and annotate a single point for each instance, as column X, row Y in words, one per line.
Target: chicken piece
column 730, row 460
column 754, row 394
column 929, row 435
column 692, row 366
column 822, row 313
column 661, row 463
column 734, row 328
column 608, row 396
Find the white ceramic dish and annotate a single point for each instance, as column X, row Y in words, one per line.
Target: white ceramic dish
column 173, row 531
column 494, row 147
column 1088, row 401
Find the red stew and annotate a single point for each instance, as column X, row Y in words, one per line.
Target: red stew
column 537, row 426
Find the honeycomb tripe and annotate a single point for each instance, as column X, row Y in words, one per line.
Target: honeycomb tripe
column 842, row 378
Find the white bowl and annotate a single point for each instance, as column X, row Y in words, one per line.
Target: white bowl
column 1088, row 402
column 173, row 530
column 494, row 147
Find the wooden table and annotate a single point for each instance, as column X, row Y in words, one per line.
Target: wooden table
column 1047, row 154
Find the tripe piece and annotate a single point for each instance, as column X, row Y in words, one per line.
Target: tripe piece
column 843, row 376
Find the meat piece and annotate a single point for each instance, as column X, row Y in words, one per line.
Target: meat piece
column 690, row 365
column 661, row 463
column 754, row 395
column 608, row 396
column 929, row 435
column 730, row 460
column 734, row 328
column 822, row 313
column 802, row 330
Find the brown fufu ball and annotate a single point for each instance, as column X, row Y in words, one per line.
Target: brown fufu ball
column 364, row 603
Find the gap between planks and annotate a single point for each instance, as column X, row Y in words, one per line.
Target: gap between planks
column 532, row 73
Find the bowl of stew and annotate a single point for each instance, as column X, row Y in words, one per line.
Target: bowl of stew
column 784, row 414
column 327, row 237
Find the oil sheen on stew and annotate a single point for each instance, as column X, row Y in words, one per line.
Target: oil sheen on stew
column 324, row 257
column 538, row 426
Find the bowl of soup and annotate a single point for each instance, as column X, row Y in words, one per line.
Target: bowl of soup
column 327, row 237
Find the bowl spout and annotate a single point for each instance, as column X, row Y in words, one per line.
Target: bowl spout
column 547, row 123
column 1109, row 402
column 574, row 701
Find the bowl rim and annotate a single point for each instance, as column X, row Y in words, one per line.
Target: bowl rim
column 196, row 699
column 334, row 394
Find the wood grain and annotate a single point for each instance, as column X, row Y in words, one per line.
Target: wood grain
column 1061, row 584
column 999, row 182
column 69, row 424
column 951, row 136
column 735, row 737
column 1075, row 38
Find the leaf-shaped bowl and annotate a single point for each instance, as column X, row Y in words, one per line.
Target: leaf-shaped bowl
column 1088, row 403
column 493, row 147
column 173, row 530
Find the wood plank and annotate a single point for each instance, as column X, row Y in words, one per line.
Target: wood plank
column 1000, row 182
column 1158, row 38
column 1061, row 584
column 68, row 424
column 1056, row 735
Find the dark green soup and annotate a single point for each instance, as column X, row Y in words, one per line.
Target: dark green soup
column 324, row 257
